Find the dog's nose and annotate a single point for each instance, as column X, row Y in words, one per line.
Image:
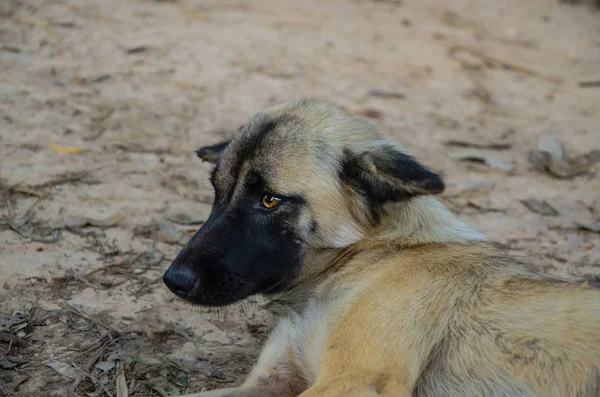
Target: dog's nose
column 180, row 280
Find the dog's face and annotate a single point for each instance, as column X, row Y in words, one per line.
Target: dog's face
column 298, row 177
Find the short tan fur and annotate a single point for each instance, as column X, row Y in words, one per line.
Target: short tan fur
column 398, row 297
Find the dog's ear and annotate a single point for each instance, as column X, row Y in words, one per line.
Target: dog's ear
column 212, row 153
column 385, row 174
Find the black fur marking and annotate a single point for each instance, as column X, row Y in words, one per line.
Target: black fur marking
column 255, row 181
column 212, row 153
column 213, row 175
column 352, row 174
column 314, row 226
column 242, row 249
column 248, row 146
column 386, row 174
column 251, row 139
column 239, row 251
column 390, row 161
column 266, row 128
column 213, row 181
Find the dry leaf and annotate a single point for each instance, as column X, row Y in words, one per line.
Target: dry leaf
column 540, row 207
column 8, row 362
column 548, row 143
column 63, row 368
column 557, row 168
column 9, row 322
column 105, row 366
column 66, row 149
column 590, row 227
column 482, row 157
column 549, row 156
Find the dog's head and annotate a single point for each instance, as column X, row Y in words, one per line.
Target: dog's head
column 300, row 176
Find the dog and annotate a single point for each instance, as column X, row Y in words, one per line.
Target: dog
column 379, row 290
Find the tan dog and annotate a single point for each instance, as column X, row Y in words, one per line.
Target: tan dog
column 381, row 291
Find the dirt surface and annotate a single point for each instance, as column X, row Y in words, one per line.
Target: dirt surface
column 103, row 102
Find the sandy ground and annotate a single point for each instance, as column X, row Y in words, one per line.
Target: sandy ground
column 103, row 102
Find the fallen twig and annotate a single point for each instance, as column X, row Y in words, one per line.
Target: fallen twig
column 62, row 179
column 465, row 144
column 386, row 94
column 589, row 84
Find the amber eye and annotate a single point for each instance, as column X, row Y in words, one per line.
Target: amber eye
column 269, row 201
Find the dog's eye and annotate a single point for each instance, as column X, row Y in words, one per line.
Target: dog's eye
column 269, row 201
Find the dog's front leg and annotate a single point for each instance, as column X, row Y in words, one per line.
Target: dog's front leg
column 277, row 372
column 359, row 384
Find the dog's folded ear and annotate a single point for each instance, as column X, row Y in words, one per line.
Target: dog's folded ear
column 386, row 174
column 212, row 153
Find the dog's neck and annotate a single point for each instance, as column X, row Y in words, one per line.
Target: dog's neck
column 422, row 220
column 320, row 265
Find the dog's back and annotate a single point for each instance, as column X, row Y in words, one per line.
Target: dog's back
column 495, row 328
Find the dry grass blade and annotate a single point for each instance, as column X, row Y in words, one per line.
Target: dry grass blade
column 121, row 381
column 69, row 177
